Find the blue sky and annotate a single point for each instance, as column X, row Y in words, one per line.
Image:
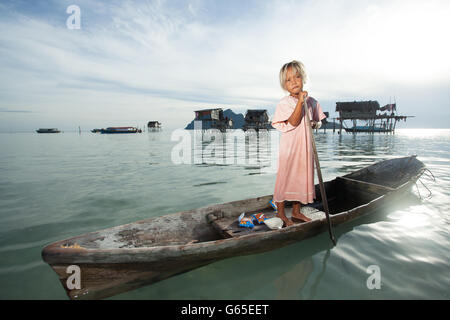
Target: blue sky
column 135, row 61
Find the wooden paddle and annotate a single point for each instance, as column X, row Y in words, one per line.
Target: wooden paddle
column 319, row 173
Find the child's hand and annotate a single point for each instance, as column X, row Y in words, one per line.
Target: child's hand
column 302, row 95
column 316, row 125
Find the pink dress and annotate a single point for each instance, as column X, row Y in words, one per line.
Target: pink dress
column 295, row 176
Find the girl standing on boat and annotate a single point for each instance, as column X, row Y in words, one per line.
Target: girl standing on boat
column 295, row 176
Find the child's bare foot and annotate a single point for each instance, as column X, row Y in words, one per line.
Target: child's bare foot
column 281, row 214
column 287, row 222
column 296, row 213
column 300, row 216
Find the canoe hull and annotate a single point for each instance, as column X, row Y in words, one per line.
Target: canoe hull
column 102, row 280
column 106, row 272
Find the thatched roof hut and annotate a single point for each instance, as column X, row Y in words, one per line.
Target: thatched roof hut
column 256, row 116
column 257, row 119
column 154, row 124
column 357, row 109
column 209, row 114
column 213, row 119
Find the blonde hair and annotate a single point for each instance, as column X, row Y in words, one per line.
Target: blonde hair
column 295, row 65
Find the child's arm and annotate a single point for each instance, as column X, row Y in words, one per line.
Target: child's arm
column 284, row 112
column 296, row 118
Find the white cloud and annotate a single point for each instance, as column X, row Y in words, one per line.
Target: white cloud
column 140, row 60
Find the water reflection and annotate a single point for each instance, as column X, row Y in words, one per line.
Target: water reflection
column 423, row 133
column 249, row 149
column 298, row 280
column 319, row 277
column 289, row 284
column 293, row 283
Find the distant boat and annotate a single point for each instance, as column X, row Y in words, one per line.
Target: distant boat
column 367, row 129
column 120, row 130
column 96, row 130
column 48, row 130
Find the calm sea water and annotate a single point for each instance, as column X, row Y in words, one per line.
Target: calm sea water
column 54, row 186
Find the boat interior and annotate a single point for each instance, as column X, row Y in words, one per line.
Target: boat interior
column 343, row 194
column 221, row 221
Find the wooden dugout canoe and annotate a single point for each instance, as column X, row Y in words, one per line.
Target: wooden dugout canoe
column 130, row 256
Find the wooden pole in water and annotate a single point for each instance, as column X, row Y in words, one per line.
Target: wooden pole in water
column 319, row 172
